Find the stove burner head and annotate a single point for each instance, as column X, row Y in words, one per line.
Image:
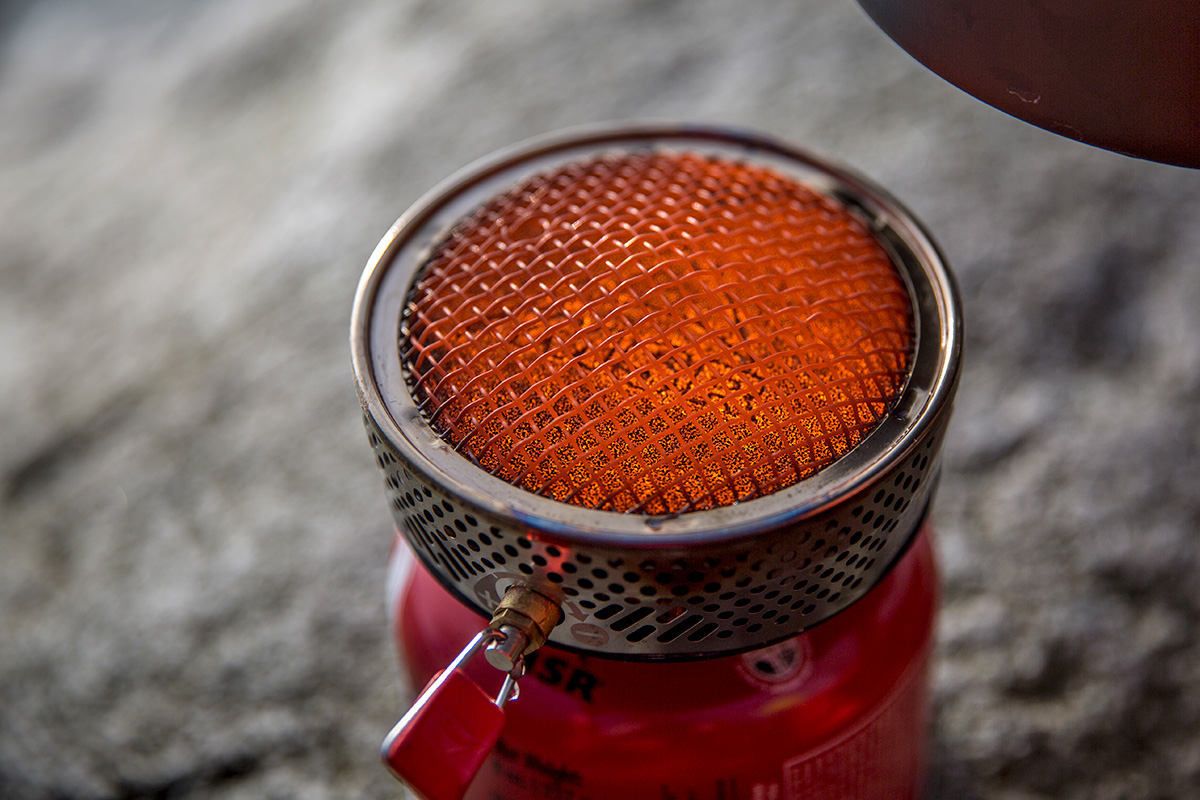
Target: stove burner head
column 688, row 385
column 657, row 333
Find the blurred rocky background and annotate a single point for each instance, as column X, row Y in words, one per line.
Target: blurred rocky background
column 192, row 532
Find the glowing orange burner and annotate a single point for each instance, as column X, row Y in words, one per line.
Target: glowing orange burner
column 658, row 333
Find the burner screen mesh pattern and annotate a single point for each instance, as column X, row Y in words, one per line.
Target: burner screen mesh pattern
column 657, row 333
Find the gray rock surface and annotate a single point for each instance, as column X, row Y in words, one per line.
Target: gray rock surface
column 192, row 534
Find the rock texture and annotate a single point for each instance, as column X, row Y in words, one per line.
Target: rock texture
column 192, row 535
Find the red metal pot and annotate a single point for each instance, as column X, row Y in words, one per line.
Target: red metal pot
column 1120, row 75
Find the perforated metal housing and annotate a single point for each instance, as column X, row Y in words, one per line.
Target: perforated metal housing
column 698, row 568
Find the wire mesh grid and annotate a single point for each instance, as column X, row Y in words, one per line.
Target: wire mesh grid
column 657, row 333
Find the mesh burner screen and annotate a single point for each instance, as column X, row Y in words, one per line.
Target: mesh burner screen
column 657, row 333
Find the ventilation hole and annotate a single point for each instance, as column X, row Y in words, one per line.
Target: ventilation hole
column 741, row 602
column 570, row 591
column 631, row 619
column 553, row 551
column 602, row 597
column 771, row 595
column 488, row 564
column 683, row 627
column 528, row 570
column 616, row 588
column 608, row 612
column 584, row 583
column 462, row 526
column 755, row 628
column 725, row 615
column 808, row 609
column 739, row 622
column 640, row 633
column 724, row 634
column 471, row 521
column 583, row 558
column 703, row 632
column 649, row 591
column 569, row 568
column 711, row 608
column 670, row 615
column 586, row 604
column 630, row 577
column 539, row 560
column 600, row 573
column 695, row 577
column 756, row 608
column 474, row 545
column 554, row 577
column 781, row 619
column 512, row 551
column 523, row 542
column 770, row 612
